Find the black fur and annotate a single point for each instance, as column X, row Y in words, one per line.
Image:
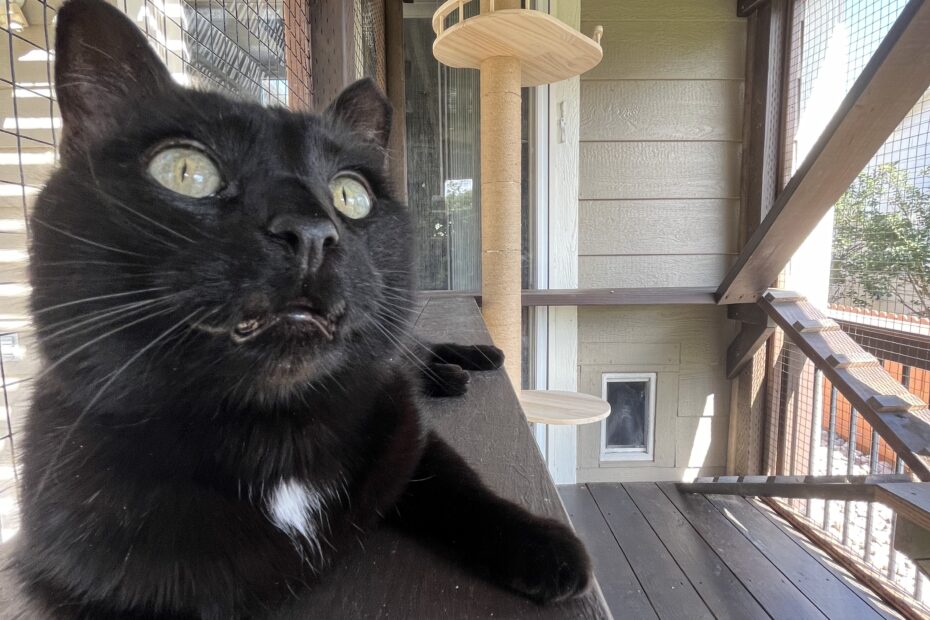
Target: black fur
column 445, row 364
column 156, row 438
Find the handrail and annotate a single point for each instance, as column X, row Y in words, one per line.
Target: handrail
column 899, row 417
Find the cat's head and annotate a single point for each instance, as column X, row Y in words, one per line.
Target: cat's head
column 199, row 233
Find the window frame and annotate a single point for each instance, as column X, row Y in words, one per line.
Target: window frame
column 647, row 453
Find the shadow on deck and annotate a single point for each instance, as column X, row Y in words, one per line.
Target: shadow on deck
column 663, row 554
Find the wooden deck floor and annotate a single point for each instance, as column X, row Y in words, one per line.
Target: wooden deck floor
column 662, row 554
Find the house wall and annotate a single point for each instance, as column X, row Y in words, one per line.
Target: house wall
column 661, row 120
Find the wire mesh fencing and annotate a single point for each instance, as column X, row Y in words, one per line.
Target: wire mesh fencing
column 820, row 433
column 881, row 225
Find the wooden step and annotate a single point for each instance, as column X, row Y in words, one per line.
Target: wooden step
column 852, row 360
column 778, row 296
column 900, row 418
column 889, row 403
column 815, row 325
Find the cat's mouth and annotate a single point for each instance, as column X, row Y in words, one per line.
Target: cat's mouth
column 299, row 316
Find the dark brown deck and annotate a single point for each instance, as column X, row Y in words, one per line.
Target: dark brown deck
column 390, row 576
column 663, row 554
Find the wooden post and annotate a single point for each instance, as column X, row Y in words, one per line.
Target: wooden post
column 512, row 47
column 394, row 79
column 500, row 208
column 297, row 55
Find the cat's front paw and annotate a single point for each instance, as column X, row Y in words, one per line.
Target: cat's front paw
column 470, row 356
column 551, row 563
column 446, row 380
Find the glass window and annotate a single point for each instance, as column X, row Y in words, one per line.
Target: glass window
column 627, row 433
column 443, row 110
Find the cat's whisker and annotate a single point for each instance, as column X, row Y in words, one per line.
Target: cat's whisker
column 92, row 262
column 405, row 350
column 177, row 346
column 76, row 350
column 106, row 319
column 50, row 467
column 89, row 314
column 88, row 241
column 122, row 205
column 106, row 278
column 98, row 298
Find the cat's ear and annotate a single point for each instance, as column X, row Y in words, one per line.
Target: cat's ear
column 363, row 109
column 102, row 61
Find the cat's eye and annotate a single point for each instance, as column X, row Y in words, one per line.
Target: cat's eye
column 350, row 196
column 186, row 170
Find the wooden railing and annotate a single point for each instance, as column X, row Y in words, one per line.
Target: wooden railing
column 842, row 432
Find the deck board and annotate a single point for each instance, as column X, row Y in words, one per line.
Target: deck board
column 669, row 590
column 662, row 553
column 862, row 591
column 769, row 586
column 829, row 594
column 720, row 589
column 622, row 589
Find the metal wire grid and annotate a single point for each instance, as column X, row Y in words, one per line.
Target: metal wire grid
column 236, row 46
column 881, row 233
column 369, row 41
column 831, row 42
column 820, row 433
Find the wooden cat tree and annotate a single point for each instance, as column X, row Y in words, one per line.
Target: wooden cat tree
column 512, row 47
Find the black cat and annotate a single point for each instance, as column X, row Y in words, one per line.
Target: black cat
column 222, row 294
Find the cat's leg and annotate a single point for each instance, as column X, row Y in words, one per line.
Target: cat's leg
column 469, row 357
column 447, row 504
column 444, row 373
column 445, row 380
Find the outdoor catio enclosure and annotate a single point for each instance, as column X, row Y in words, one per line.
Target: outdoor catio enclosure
column 725, row 233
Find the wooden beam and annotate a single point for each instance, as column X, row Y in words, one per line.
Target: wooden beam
column 891, row 83
column 765, row 52
column 297, row 55
column 906, row 427
column 851, row 488
column 394, row 75
column 745, row 8
column 911, row 501
column 332, row 32
column 748, row 313
column 913, row 541
column 599, row 296
column 741, row 351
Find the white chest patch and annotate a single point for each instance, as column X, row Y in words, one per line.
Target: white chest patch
column 295, row 508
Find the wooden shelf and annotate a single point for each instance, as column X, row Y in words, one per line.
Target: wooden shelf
column 598, row 296
column 548, row 49
column 559, row 407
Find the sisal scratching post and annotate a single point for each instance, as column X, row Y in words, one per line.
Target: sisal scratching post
column 500, row 208
column 512, row 47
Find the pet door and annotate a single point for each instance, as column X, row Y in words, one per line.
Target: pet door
column 627, row 433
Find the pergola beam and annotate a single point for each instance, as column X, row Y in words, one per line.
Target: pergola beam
column 893, row 81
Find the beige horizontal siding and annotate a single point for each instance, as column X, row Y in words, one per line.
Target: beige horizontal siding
column 661, row 110
column 652, row 324
column 626, row 227
column 651, row 10
column 669, row 50
column 629, row 170
column 662, row 270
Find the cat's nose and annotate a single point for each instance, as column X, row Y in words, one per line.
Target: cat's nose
column 308, row 237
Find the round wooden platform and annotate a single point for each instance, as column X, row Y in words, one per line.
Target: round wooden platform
column 548, row 49
column 558, row 407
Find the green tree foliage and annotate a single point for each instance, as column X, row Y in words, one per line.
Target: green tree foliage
column 881, row 242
